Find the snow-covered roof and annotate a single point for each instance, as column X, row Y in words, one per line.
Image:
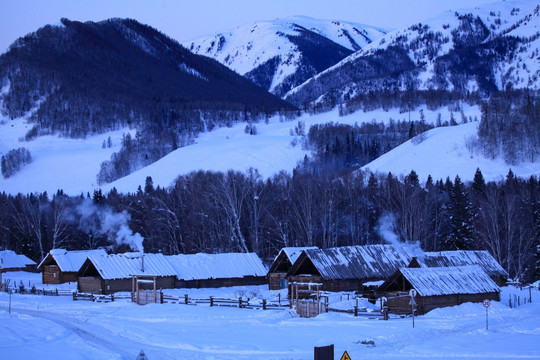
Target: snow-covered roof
column 481, row 258
column 449, row 280
column 293, row 253
column 217, row 266
column 358, row 262
column 70, row 261
column 122, row 266
column 11, row 260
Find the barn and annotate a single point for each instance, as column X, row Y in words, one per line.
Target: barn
column 281, row 266
column 61, row 266
column 481, row 258
column 106, row 274
column 438, row 287
column 348, row 268
column 11, row 261
column 217, row 270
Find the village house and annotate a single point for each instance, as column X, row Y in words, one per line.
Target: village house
column 348, row 268
column 217, row 270
column 106, row 274
column 481, row 258
column 61, row 266
column 281, row 266
column 437, row 287
column 11, row 261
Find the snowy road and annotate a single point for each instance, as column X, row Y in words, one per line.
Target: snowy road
column 57, row 327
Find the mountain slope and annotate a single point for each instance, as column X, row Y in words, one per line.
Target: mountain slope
column 90, row 77
column 281, row 54
column 485, row 49
column 270, row 151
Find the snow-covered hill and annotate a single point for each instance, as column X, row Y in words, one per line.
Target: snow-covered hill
column 72, row 165
column 282, row 53
column 492, row 47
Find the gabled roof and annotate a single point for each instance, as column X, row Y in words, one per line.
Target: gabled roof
column 356, row 262
column 11, row 260
column 481, row 258
column 293, row 253
column 287, row 256
column 217, row 266
column 122, row 266
column 69, row 261
column 448, row 280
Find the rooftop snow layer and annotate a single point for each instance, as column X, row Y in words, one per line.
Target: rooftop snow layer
column 449, row 280
column 10, row 259
column 123, row 266
column 217, row 266
column 70, row 261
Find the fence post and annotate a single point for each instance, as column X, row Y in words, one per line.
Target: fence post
column 240, row 302
column 186, row 299
column 211, row 301
column 355, row 310
column 74, row 296
column 160, row 296
column 264, row 304
column 112, row 297
column 56, row 292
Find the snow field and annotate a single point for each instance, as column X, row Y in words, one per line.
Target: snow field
column 57, row 327
column 72, row 165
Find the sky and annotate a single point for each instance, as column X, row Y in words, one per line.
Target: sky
column 186, row 20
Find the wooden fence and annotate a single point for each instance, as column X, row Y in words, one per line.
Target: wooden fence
column 217, row 301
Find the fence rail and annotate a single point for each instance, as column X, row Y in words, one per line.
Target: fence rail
column 216, row 301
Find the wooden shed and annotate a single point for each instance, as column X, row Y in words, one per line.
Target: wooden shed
column 348, row 268
column 481, row 258
column 438, row 287
column 106, row 274
column 11, row 261
column 61, row 266
column 217, row 270
column 281, row 266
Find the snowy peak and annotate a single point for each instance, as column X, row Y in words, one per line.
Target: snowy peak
column 283, row 53
column 488, row 48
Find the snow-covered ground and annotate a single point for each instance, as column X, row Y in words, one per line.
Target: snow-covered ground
column 48, row 327
column 72, row 165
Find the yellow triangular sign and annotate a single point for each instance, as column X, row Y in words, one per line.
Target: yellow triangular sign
column 345, row 356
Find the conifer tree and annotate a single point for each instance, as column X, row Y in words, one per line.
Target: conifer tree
column 460, row 235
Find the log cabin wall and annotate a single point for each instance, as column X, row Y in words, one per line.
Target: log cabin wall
column 90, row 284
column 51, row 274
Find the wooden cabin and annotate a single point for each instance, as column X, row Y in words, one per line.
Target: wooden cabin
column 481, row 258
column 61, row 266
column 281, row 266
column 106, row 274
column 217, row 270
column 348, row 268
column 437, row 287
column 11, row 261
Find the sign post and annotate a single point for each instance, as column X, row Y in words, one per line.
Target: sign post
column 486, row 304
column 412, row 294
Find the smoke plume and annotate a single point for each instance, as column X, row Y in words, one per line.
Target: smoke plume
column 102, row 220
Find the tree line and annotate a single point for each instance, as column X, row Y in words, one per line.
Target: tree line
column 230, row 212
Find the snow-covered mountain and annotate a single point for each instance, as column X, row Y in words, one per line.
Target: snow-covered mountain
column 283, row 53
column 488, row 48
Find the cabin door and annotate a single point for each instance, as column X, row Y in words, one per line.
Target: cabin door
column 283, row 283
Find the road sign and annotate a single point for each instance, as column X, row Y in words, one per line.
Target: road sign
column 412, row 302
column 486, row 303
column 345, row 356
column 412, row 293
